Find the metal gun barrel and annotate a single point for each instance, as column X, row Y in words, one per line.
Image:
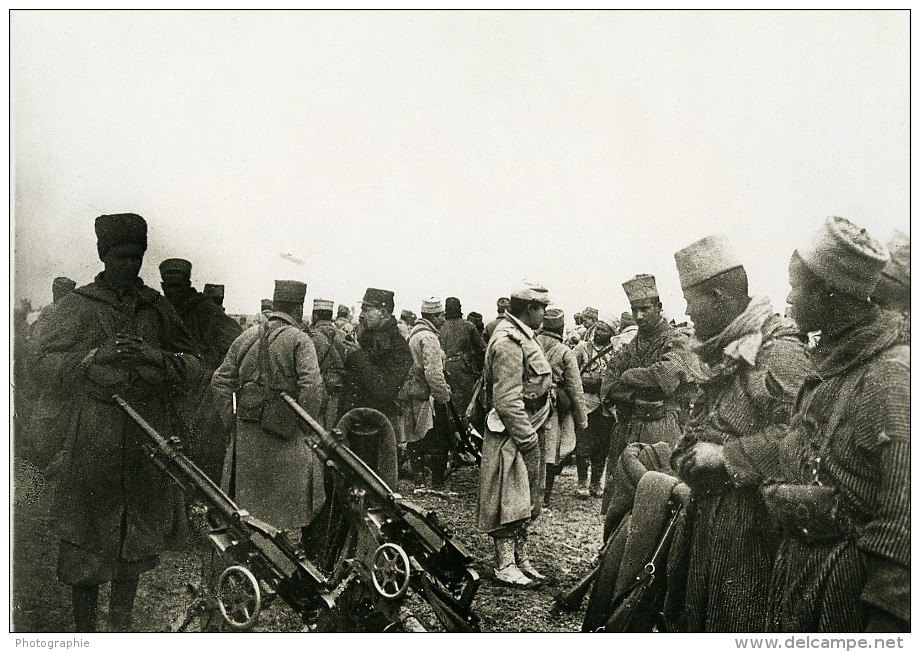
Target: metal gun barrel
column 189, row 470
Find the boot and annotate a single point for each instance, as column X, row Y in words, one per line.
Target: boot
column 506, row 571
column 551, row 470
column 121, row 604
column 581, row 464
column 85, row 605
column 596, row 472
column 522, row 558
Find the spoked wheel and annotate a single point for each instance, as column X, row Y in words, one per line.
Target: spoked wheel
column 391, row 571
column 239, row 597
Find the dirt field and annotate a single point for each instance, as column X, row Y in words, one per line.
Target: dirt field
column 565, row 542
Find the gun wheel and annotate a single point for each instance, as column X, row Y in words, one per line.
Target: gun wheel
column 391, row 571
column 239, row 597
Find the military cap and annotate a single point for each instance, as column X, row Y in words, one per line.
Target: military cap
column 289, row 292
column 120, row 229
column 215, row 290
column 452, row 304
column 266, row 304
column 626, row 319
column 378, row 298
column 504, row 302
column 432, row 306
column 323, row 304
column 342, row 311
column 474, row 316
column 176, row 267
column 529, row 291
column 845, row 257
column 641, row 290
column 589, row 312
column 61, row 286
column 407, row 315
column 553, row 318
column 705, row 259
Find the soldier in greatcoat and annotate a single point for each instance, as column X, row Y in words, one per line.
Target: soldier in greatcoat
column 272, row 474
column 518, row 387
column 426, row 418
column 331, row 351
column 113, row 509
column 570, row 416
column 464, row 349
column 755, row 367
column 837, row 484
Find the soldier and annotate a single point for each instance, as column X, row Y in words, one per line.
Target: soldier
column 628, row 330
column 112, row 507
column 268, row 468
column 838, row 483
column 588, row 319
column 214, row 292
column 502, row 306
column 406, row 322
column 570, row 416
column 518, row 385
column 427, row 421
column 464, row 349
column 265, row 307
column 331, row 351
column 572, row 338
column 476, row 320
column 645, row 379
column 593, row 442
column 893, row 289
column 343, row 319
column 756, row 367
column 213, row 332
column 376, row 370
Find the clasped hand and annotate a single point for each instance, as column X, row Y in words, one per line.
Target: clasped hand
column 127, row 348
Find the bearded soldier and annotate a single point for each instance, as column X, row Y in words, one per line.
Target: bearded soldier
column 518, row 385
column 113, row 507
column 755, row 368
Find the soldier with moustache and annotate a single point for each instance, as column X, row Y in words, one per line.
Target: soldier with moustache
column 518, row 394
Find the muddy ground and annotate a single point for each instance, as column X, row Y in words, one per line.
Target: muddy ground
column 565, row 542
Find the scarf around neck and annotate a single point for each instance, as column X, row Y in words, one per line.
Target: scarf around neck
column 741, row 340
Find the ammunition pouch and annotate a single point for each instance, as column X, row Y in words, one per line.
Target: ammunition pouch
column 536, row 404
column 264, row 406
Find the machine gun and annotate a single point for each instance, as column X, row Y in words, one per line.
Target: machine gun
column 470, row 441
column 403, row 547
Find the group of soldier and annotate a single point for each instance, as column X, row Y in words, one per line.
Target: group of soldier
column 791, row 461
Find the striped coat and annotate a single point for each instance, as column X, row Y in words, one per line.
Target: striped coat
column 731, row 549
column 851, row 432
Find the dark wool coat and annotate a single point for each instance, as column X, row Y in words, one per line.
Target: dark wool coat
column 375, row 373
column 111, row 501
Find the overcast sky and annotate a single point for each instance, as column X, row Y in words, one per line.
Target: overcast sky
column 445, row 153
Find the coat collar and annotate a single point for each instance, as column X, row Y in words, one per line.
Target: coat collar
column 864, row 337
column 286, row 318
column 514, row 322
column 423, row 325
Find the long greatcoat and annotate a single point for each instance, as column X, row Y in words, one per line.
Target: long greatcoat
column 850, row 432
column 732, row 547
column 464, row 350
column 515, row 369
column 278, row 480
column 113, row 507
column 560, row 428
column 426, row 380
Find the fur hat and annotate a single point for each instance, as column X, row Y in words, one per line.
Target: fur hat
column 119, row 229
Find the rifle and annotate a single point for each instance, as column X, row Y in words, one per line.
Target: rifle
column 266, row 564
column 633, row 610
column 470, row 440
